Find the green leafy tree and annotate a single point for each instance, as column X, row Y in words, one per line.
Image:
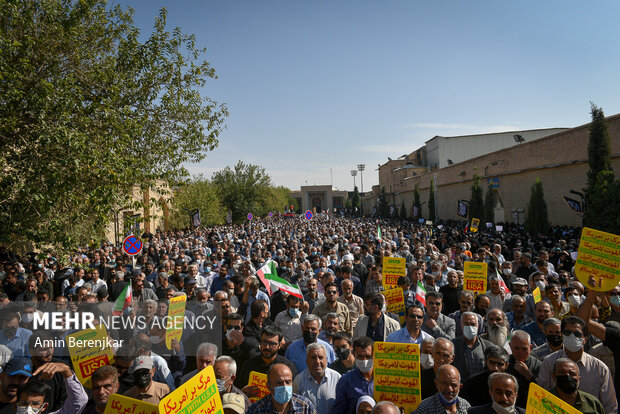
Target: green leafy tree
column 605, row 203
column 383, row 209
column 476, row 202
column 599, row 147
column 243, row 189
column 279, row 199
column 403, row 210
column 536, row 219
column 355, row 200
column 197, row 193
column 89, row 112
column 490, row 200
column 431, row 202
column 416, row 202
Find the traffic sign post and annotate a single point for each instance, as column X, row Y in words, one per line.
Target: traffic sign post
column 308, row 215
column 132, row 245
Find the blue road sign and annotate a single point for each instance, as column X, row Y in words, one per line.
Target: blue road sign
column 250, row 216
column 308, row 215
column 132, row 245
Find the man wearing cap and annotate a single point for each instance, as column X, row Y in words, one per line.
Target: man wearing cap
column 142, row 369
column 233, row 404
column 189, row 287
column 13, row 377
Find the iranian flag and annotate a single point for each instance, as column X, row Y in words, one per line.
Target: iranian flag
column 123, row 302
column 269, row 276
column 502, row 284
column 420, row 293
column 379, row 232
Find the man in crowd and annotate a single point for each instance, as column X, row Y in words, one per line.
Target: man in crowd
column 356, row 382
column 354, row 303
column 495, row 360
column 503, row 389
column 331, row 304
column 317, row 382
column 296, row 351
column 446, row 399
column 470, row 347
column 281, row 398
column 535, row 328
column 289, row 321
column 104, row 383
column 436, row 324
column 522, row 365
column 146, row 389
column 517, row 319
column 375, row 324
column 443, row 353
column 567, row 382
column 343, row 347
column 553, row 333
column 412, row 332
column 225, row 369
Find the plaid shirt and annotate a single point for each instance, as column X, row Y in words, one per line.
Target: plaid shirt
column 299, row 405
column 432, row 405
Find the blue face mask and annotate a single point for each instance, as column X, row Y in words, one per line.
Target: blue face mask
column 445, row 402
column 615, row 300
column 283, row 394
column 207, row 268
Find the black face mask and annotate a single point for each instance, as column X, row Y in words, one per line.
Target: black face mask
column 481, row 312
column 9, row 332
column 554, row 340
column 566, row 384
column 309, row 337
column 343, row 353
column 142, row 379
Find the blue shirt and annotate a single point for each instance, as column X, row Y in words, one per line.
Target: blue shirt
column 322, row 395
column 350, row 388
column 299, row 405
column 296, row 353
column 537, row 336
column 18, row 344
column 404, row 337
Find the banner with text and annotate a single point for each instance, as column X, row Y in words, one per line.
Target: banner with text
column 260, row 380
column 176, row 312
column 598, row 257
column 198, row 395
column 393, row 268
column 119, row 404
column 89, row 349
column 396, row 302
column 541, row 401
column 397, row 374
column 475, row 276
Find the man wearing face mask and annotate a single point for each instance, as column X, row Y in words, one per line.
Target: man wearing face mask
column 466, row 302
column 296, row 352
column 535, row 328
column 595, row 376
column 553, row 333
column 281, row 398
column 446, row 399
column 225, row 369
column 573, row 297
column 567, row 380
column 342, row 344
column 356, row 382
column 503, row 389
column 469, row 347
column 289, row 321
column 234, row 344
column 147, row 390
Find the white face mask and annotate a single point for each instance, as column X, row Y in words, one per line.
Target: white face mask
column 228, row 332
column 574, row 301
column 426, row 360
column 507, row 271
column 541, row 285
column 500, row 409
column 572, row 343
column 27, row 317
column 364, row 365
column 28, row 410
column 470, row 332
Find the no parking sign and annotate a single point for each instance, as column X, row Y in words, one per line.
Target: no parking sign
column 132, row 245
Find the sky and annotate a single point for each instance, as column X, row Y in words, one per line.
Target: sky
column 316, row 87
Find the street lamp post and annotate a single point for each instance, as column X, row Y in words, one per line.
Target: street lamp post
column 361, row 168
column 353, row 173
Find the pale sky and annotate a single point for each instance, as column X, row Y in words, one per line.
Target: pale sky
column 315, row 85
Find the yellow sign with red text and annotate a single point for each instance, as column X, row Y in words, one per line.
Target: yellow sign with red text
column 119, row 404
column 598, row 258
column 198, row 395
column 176, row 315
column 397, row 374
column 475, row 276
column 396, row 302
column 541, row 401
column 393, row 268
column 260, row 380
column 89, row 349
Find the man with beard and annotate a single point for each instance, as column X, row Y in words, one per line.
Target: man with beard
column 522, row 365
column 517, row 318
column 497, row 328
column 448, row 383
column 330, row 327
column 354, row 303
column 535, row 328
column 331, row 304
column 15, row 374
column 495, row 360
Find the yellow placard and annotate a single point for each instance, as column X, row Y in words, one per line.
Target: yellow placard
column 176, row 315
column 393, row 268
column 198, row 395
column 536, row 295
column 475, row 276
column 539, row 400
column 396, row 302
column 598, row 256
column 474, row 225
column 397, row 374
column 119, row 404
column 260, row 380
column 89, row 349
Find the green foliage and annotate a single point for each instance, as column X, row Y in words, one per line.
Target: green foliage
column 599, row 147
column 476, row 203
column 244, row 189
column 198, row 193
column 88, row 112
column 383, row 209
column 490, row 200
column 416, row 202
column 355, row 200
column 403, row 210
column 536, row 219
column 279, row 199
column 431, row 201
column 604, row 207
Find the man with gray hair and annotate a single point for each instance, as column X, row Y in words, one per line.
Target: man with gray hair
column 497, row 327
column 469, row 348
column 296, row 351
column 205, row 356
column 503, row 389
column 225, row 369
column 385, row 407
column 523, row 365
column 317, row 382
column 553, row 333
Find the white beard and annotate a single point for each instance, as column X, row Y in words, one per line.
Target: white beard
column 498, row 335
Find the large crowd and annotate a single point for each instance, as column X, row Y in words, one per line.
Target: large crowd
column 479, row 352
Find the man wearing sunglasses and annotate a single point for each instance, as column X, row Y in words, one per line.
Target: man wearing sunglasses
column 234, row 344
column 412, row 333
column 595, row 376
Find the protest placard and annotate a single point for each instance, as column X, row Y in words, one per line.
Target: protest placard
column 260, row 380
column 541, row 401
column 396, row 302
column 474, row 225
column 598, row 257
column 198, row 395
column 397, row 374
column 393, row 268
column 89, row 349
column 536, row 295
column 475, row 276
column 119, row 404
column 176, row 315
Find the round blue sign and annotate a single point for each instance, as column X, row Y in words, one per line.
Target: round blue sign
column 270, row 214
column 132, row 245
column 308, row 215
column 250, row 216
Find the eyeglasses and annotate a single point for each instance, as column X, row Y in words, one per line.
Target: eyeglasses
column 332, row 292
column 269, row 344
column 413, row 316
column 235, row 327
column 568, row 332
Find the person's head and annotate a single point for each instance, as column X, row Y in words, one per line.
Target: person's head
column 142, row 370
column 35, row 394
column 503, row 389
column 574, row 333
column 466, row 301
column 414, row 317
column 362, row 349
column 443, row 352
column 496, row 358
column 259, row 309
column 373, row 303
column 453, row 278
column 123, row 358
column 566, row 375
column 553, row 332
column 518, row 305
column 280, row 383
column 347, row 288
column 469, row 325
column 364, row 405
column 104, row 383
column 234, row 322
column 553, row 292
column 270, row 340
column 206, row 353
column 497, row 327
column 225, row 369
column 331, row 324
column 521, row 345
column 481, row 304
column 310, row 328
column 519, row 287
column 149, row 307
column 312, row 285
column 448, row 383
column 542, row 311
column 10, row 324
column 40, row 345
column 342, row 344
column 434, row 302
column 16, row 372
column 316, row 359
column 385, row 407
column 331, row 293
column 494, row 285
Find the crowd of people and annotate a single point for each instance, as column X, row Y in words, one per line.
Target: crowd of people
column 479, row 352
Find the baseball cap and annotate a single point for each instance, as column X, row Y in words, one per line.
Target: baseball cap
column 141, row 362
column 190, row 281
column 234, row 402
column 19, row 366
column 520, row 281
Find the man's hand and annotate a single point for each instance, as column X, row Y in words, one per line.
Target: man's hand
column 523, row 370
column 175, row 345
column 236, row 338
column 304, row 307
column 251, row 390
column 48, row 370
column 430, row 322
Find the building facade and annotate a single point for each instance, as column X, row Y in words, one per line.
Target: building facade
column 319, row 197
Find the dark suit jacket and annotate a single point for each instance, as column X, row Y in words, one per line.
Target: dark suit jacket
column 459, row 352
column 488, row 409
column 475, row 389
column 533, row 364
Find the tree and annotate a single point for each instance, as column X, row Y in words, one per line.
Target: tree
column 278, row 199
column 476, row 203
column 536, row 219
column 599, row 147
column 416, row 203
column 605, row 203
column 355, row 201
column 197, row 193
column 403, row 210
column 431, row 202
column 490, row 200
column 89, row 112
column 383, row 209
column 243, row 189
